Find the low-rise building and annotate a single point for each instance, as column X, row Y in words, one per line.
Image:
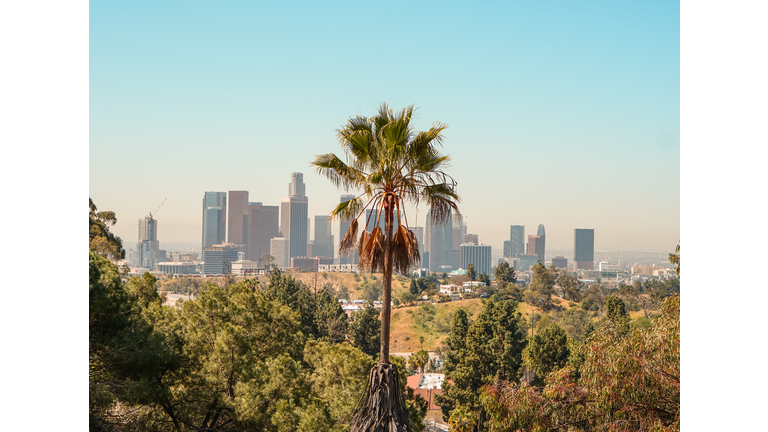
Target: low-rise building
column 176, row 268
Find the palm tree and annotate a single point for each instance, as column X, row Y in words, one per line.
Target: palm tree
column 392, row 165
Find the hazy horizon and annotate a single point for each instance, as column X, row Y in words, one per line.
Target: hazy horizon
column 566, row 116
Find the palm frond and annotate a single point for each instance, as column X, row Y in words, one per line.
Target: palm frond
column 348, row 210
column 339, row 173
column 347, row 244
column 441, row 198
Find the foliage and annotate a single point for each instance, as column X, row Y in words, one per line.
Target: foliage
column 674, row 258
column 504, row 274
column 488, row 350
column 365, row 330
column 571, row 286
column 289, row 292
column 330, row 319
column 419, row 360
column 547, row 351
column 628, row 380
column 462, row 420
column 471, row 272
column 100, row 238
column 616, row 309
column 542, row 285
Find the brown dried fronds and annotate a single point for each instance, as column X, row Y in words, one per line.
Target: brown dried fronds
column 349, row 241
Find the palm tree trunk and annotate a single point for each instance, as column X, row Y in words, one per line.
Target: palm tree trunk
column 387, row 294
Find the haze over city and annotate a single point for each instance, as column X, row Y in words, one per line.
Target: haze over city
column 565, row 116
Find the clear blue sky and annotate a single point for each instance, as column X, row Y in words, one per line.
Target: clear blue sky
column 566, row 114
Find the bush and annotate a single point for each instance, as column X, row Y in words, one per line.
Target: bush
column 571, row 304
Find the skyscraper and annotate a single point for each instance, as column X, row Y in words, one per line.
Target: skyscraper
column 148, row 247
column 541, row 248
column 439, row 243
column 262, row 227
column 371, row 220
column 584, row 249
column 214, row 218
column 323, row 239
column 294, row 219
column 237, row 218
column 278, row 248
column 516, row 240
column 343, row 228
column 536, row 246
column 478, row 255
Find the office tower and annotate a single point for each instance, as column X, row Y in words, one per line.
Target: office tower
column 478, row 255
column 214, row 218
column 323, row 238
column 541, row 233
column 507, row 249
column 148, row 247
column 278, row 248
column 262, row 227
column 439, row 241
column 418, row 232
column 516, row 240
column 343, row 228
column 297, row 188
column 237, row 217
column 370, row 220
column 471, row 238
column 524, row 262
column 294, row 219
column 583, row 249
column 458, row 231
column 218, row 258
column 560, row 262
column 536, row 246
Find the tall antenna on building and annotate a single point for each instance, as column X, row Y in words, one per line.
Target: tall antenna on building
column 158, row 207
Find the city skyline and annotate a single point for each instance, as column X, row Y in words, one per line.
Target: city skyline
column 566, row 117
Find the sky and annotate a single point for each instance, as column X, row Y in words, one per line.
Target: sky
column 564, row 114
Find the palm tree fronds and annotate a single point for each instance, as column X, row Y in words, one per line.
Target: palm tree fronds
column 441, row 198
column 350, row 238
column 348, row 209
column 339, row 173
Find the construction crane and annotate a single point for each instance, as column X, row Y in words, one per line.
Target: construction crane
column 158, row 207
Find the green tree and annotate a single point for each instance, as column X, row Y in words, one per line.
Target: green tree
column 504, row 274
column 100, row 238
column 491, row 351
column 414, row 288
column 543, row 283
column 418, row 360
column 331, row 320
column 292, row 293
column 462, row 420
column 365, row 330
column 547, row 351
column 484, row 278
column 392, row 164
column 627, row 380
column 571, row 286
column 471, row 272
column 616, row 309
column 371, row 291
column 674, row 258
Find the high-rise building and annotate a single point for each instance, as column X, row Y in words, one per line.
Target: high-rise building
column 293, row 217
column 278, row 248
column 478, row 255
column 516, row 240
column 214, row 218
column 297, row 188
column 471, row 238
column 343, row 228
column 507, row 249
column 148, row 247
column 536, row 246
column 323, row 239
column 237, row 218
column 218, row 258
column 458, row 231
column 262, row 227
column 371, row 221
column 439, row 241
column 540, row 250
column 560, row 262
column 584, row 249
